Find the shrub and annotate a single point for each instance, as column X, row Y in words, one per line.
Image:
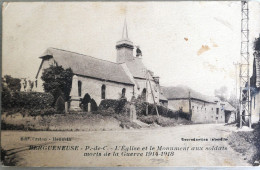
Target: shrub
column 57, row 81
column 6, row 97
column 28, row 100
column 118, row 106
column 44, row 112
column 162, row 121
column 163, row 111
column 60, row 104
column 94, row 106
column 184, row 115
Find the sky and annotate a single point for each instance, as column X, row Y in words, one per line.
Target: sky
column 185, row 43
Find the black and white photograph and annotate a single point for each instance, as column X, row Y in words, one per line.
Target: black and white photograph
column 130, row 84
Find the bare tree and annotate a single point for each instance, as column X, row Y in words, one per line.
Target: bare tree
column 222, row 93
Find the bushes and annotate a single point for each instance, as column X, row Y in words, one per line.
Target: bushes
column 162, row 121
column 163, row 111
column 118, row 106
column 43, row 112
column 26, row 100
column 60, row 104
column 184, row 115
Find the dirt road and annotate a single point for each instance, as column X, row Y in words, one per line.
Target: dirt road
column 152, row 147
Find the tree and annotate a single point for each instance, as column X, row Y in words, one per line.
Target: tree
column 14, row 84
column 57, row 81
column 221, row 93
column 233, row 100
column 257, row 44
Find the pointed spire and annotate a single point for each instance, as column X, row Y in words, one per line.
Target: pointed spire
column 125, row 32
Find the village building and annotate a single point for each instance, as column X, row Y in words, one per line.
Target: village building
column 255, row 89
column 203, row 109
column 101, row 79
column 230, row 113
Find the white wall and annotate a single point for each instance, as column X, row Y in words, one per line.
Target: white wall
column 255, row 108
column 113, row 90
column 46, row 64
column 202, row 112
column 142, row 85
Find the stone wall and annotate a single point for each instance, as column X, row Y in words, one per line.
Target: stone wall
column 202, row 112
column 255, row 108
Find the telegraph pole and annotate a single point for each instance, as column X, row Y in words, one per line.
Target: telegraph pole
column 236, row 64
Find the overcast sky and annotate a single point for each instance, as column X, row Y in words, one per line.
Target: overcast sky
column 188, row 43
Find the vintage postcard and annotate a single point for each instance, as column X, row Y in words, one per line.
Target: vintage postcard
column 127, row 83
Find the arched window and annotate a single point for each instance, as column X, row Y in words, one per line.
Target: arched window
column 144, row 94
column 79, row 88
column 103, row 91
column 123, row 92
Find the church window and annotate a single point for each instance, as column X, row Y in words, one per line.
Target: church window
column 254, row 102
column 103, row 91
column 79, row 87
column 123, row 92
column 144, row 94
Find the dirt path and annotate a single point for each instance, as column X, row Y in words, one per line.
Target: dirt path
column 166, row 137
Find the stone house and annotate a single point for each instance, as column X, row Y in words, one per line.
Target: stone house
column 230, row 113
column 203, row 109
column 100, row 79
column 255, row 88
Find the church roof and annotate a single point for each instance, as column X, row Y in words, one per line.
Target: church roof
column 89, row 66
column 182, row 92
column 137, row 68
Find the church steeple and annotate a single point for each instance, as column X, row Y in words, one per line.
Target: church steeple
column 124, row 47
column 125, row 32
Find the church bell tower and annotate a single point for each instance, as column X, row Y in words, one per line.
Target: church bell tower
column 124, row 47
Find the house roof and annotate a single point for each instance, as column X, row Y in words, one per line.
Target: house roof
column 228, row 107
column 89, row 66
column 162, row 97
column 182, row 92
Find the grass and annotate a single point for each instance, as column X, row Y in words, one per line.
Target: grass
column 162, row 121
column 247, row 143
column 82, row 121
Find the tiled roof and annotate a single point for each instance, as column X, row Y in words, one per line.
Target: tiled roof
column 182, row 92
column 89, row 66
column 137, row 68
column 228, row 107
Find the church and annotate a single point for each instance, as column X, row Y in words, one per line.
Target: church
column 102, row 79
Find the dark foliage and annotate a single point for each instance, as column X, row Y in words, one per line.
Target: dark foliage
column 14, row 84
column 26, row 100
column 247, row 143
column 94, row 106
column 44, row 112
column 84, row 102
column 60, row 104
column 184, row 115
column 6, row 97
column 57, row 81
column 163, row 111
column 257, row 44
column 118, row 106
